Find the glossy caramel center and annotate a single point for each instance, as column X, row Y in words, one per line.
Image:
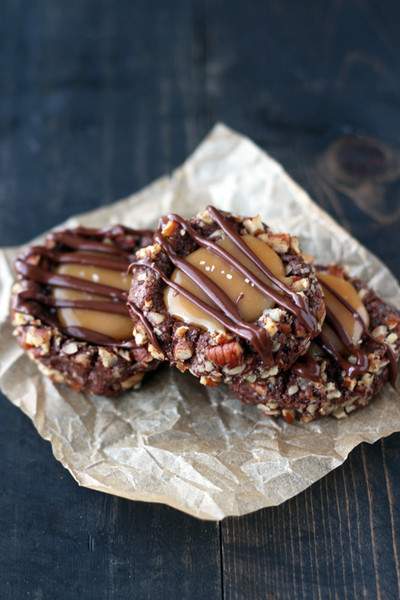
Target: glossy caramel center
column 250, row 302
column 342, row 314
column 115, row 326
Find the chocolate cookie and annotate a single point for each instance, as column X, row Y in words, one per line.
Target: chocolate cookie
column 223, row 295
column 69, row 309
column 347, row 364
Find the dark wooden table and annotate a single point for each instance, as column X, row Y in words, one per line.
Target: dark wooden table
column 99, row 97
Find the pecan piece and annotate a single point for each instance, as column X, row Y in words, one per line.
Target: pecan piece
column 289, row 414
column 230, row 354
column 279, row 242
column 284, row 328
column 208, row 381
column 169, row 228
column 183, row 351
column 336, row 271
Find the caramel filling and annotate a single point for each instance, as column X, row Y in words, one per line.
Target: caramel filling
column 343, row 315
column 115, row 326
column 250, row 302
column 347, row 320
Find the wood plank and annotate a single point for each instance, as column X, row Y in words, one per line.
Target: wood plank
column 97, row 99
column 338, row 539
column 62, row 541
column 317, row 87
column 297, row 78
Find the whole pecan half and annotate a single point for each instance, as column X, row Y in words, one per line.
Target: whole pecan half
column 230, row 354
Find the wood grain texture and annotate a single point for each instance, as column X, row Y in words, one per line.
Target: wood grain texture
column 306, row 76
column 62, row 541
column 98, row 99
column 305, row 81
column 339, row 539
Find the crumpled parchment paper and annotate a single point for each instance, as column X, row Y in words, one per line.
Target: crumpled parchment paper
column 175, row 441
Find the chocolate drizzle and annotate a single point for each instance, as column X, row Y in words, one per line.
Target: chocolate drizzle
column 227, row 313
column 309, row 368
column 306, row 366
column 74, row 246
column 296, row 306
column 362, row 358
column 231, row 320
column 223, row 309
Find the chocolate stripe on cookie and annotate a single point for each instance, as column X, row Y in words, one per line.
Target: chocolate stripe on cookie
column 93, row 291
column 362, row 357
column 298, row 307
column 223, row 309
column 308, row 366
column 253, row 334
